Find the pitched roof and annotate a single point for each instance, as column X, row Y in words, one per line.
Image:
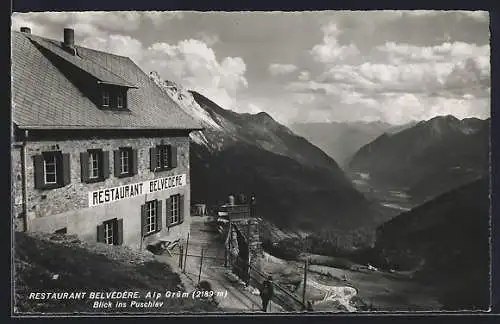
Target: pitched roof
column 44, row 98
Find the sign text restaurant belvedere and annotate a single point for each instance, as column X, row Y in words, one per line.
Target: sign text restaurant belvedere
column 110, row 195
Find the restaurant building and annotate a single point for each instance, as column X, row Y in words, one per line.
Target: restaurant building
column 98, row 149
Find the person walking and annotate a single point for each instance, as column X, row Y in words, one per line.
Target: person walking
column 267, row 292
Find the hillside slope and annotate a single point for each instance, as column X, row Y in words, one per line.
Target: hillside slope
column 57, row 263
column 446, row 243
column 296, row 184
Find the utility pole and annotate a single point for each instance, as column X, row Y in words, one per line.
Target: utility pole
column 186, row 254
column 306, row 265
column 201, row 265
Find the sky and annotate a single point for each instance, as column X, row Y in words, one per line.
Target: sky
column 389, row 66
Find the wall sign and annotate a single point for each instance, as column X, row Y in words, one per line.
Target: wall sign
column 110, row 195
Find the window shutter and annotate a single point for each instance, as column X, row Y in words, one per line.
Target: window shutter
column 105, row 164
column 116, row 162
column 173, row 156
column 181, row 209
column 152, row 158
column 135, row 159
column 100, row 233
column 118, row 232
column 39, row 172
column 66, row 169
column 168, row 211
column 84, row 163
column 159, row 215
column 143, row 218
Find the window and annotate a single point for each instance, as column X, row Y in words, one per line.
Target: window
column 52, row 170
column 94, row 165
column 125, row 162
column 163, row 157
column 175, row 210
column 113, row 97
column 119, row 100
column 105, row 98
column 94, row 160
column 151, row 217
column 110, row 232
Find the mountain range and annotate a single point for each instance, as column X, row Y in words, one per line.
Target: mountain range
column 427, row 159
column 295, row 183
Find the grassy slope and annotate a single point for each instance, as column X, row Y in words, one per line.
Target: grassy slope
column 90, row 267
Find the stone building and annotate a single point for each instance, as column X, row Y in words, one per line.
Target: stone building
column 99, row 150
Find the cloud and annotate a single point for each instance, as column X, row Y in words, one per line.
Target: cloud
column 87, row 23
column 190, row 62
column 481, row 16
column 418, row 86
column 117, row 44
column 478, row 15
column 330, row 51
column 447, row 51
column 280, row 69
column 159, row 18
column 304, row 76
column 326, row 101
column 22, row 20
column 209, row 39
column 459, row 76
column 194, row 64
column 372, row 66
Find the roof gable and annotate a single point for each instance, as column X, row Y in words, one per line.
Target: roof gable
column 43, row 96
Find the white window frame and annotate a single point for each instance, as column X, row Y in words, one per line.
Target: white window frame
column 124, row 161
column 105, row 98
column 94, row 170
column 151, row 217
column 54, row 162
column 175, row 209
column 109, row 233
column 119, row 100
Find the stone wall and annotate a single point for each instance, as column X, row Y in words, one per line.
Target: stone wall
column 250, row 228
column 52, row 209
column 17, row 188
column 74, row 196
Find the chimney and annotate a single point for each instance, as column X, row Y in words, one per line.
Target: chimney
column 26, row 30
column 69, row 38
